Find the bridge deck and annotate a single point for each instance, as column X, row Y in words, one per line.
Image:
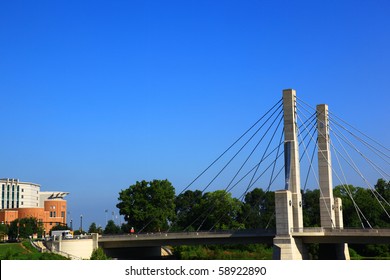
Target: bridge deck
column 345, row 235
column 187, row 238
column 307, row 235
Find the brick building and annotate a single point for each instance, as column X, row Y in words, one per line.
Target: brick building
column 24, row 200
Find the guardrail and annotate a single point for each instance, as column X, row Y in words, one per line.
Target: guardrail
column 345, row 230
column 307, row 229
column 189, row 234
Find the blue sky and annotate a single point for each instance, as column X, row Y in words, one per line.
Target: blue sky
column 96, row 95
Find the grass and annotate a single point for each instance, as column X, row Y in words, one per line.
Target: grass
column 24, row 251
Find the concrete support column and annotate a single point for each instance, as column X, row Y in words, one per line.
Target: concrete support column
column 288, row 202
column 338, row 209
column 60, row 243
column 283, row 212
column 327, row 206
column 330, row 207
column 95, row 241
column 291, row 156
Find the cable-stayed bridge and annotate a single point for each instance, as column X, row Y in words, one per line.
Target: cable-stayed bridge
column 291, row 148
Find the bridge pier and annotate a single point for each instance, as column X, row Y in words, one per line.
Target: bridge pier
column 286, row 247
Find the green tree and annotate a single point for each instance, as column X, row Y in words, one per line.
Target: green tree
column 258, row 209
column 112, row 228
column 24, row 228
column 360, row 207
column 93, row 228
column 148, row 206
column 311, row 208
column 220, row 211
column 187, row 209
column 3, row 231
column 98, row 254
column 383, row 190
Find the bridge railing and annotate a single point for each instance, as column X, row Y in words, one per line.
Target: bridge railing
column 307, row 229
column 344, row 230
column 190, row 233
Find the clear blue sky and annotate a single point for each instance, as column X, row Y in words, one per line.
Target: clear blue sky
column 96, row 95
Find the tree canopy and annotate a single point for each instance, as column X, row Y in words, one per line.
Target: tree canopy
column 24, row 228
column 112, row 228
column 153, row 206
column 148, row 206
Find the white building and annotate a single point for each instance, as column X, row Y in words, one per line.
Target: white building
column 16, row 194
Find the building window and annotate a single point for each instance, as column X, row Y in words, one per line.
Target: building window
column 22, row 190
column 63, row 214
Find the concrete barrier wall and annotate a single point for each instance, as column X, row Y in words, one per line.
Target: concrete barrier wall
column 81, row 248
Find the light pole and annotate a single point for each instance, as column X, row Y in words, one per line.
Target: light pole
column 81, row 223
column 68, row 217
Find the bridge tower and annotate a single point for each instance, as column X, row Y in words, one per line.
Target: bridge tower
column 330, row 207
column 288, row 202
column 291, row 156
column 327, row 204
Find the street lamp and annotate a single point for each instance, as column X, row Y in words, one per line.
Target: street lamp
column 81, row 223
column 68, row 217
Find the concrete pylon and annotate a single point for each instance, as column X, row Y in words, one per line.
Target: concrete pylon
column 330, row 208
column 327, row 206
column 291, row 156
column 288, row 202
